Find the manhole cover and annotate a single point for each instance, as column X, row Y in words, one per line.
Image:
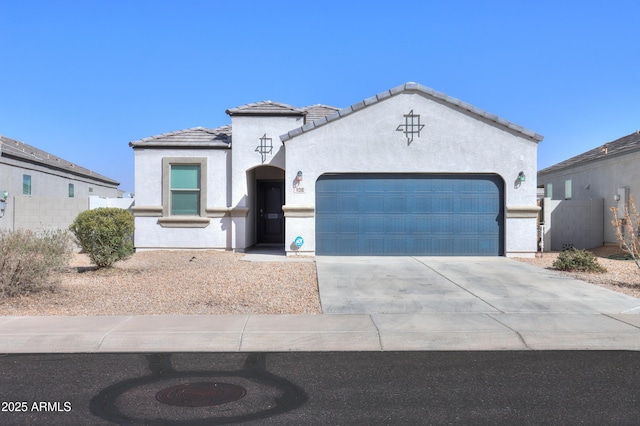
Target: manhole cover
column 200, row 394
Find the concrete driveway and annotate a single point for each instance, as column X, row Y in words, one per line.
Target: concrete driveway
column 405, row 285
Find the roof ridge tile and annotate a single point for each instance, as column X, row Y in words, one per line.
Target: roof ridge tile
column 258, row 108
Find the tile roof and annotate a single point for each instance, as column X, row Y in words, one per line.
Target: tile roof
column 265, row 108
column 624, row 145
column 411, row 87
column 195, row 137
column 24, row 152
column 318, row 111
column 220, row 137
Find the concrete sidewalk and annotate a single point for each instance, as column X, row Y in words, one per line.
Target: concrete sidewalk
column 374, row 304
column 362, row 332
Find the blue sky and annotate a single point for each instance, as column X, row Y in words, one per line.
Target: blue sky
column 81, row 79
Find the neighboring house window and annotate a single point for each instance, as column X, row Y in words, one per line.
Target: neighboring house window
column 184, row 186
column 185, row 189
column 567, row 189
column 26, row 185
column 549, row 189
column 71, row 190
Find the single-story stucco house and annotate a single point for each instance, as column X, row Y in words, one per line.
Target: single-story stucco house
column 410, row 171
column 579, row 193
column 39, row 190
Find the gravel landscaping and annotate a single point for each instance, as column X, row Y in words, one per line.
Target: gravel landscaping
column 177, row 282
column 218, row 282
column 622, row 276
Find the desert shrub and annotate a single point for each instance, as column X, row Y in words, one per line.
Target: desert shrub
column 32, row 262
column 577, row 260
column 105, row 234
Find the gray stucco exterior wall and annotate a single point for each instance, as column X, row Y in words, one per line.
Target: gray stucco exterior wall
column 48, row 204
column 594, row 180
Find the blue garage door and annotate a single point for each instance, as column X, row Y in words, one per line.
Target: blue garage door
column 409, row 214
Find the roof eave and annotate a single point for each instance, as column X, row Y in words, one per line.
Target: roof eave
column 91, row 175
column 266, row 114
column 555, row 168
column 222, row 145
column 413, row 87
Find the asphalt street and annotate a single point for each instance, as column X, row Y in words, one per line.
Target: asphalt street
column 340, row 388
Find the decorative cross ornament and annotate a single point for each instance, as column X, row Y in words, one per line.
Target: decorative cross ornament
column 411, row 126
column 265, row 147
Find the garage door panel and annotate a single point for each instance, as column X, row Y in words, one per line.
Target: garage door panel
column 349, row 224
column 422, row 202
column 443, row 246
column 372, row 204
column 326, row 204
column 409, row 214
column 468, row 245
column 469, row 203
column 395, row 246
column 395, row 224
column 349, row 204
column 328, row 243
column 329, row 225
column 373, row 245
column 395, row 203
column 442, row 186
column 421, row 246
column 372, row 224
column 347, row 244
column 442, row 225
column 465, row 225
column 486, row 225
column 488, row 245
column 442, row 204
column 420, row 225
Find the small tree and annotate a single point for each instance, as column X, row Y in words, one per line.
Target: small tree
column 628, row 229
column 104, row 234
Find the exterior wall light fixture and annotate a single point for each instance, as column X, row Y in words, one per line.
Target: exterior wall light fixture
column 299, row 176
column 521, row 177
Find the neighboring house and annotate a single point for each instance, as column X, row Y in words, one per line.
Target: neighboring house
column 41, row 190
column 410, row 171
column 594, row 182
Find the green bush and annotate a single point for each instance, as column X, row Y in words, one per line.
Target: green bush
column 32, row 262
column 577, row 260
column 104, row 234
